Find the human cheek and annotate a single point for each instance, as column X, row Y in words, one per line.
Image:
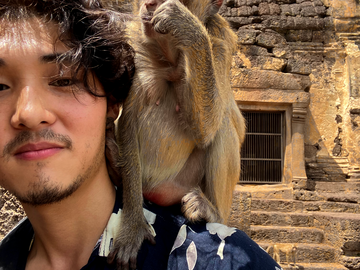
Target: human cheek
column 86, row 121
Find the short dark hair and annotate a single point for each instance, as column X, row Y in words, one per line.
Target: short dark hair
column 95, row 36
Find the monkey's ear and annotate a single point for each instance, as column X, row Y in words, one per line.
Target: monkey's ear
column 215, row 6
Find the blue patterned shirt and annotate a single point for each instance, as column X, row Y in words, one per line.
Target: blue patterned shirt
column 180, row 245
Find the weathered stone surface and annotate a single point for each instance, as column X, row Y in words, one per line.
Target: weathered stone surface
column 11, row 212
column 266, row 63
column 240, row 211
column 234, row 12
column 271, row 63
column 237, row 22
column 265, row 218
column 308, row 11
column 299, row 35
column 270, row 40
column 318, row 36
column 305, row 195
column 244, row 11
column 315, row 266
column 295, row 9
column 285, row 10
column 298, row 67
column 246, row 36
column 264, row 9
column 295, row 206
column 312, row 253
column 240, row 3
column 254, row 11
column 351, row 262
column 320, row 10
column 262, row 79
column 274, row 9
column 283, row 52
column 252, row 50
column 294, row 23
column 284, row 234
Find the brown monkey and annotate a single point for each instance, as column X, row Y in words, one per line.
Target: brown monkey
column 290, row 251
column 180, row 130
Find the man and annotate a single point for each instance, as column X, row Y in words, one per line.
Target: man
column 65, row 67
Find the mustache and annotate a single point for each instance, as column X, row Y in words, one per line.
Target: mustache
column 31, row 136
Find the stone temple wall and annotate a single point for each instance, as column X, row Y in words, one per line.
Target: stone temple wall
column 318, row 41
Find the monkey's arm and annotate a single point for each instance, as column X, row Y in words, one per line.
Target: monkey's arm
column 200, row 104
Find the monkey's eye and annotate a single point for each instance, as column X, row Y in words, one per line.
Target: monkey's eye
column 3, row 87
column 62, row 82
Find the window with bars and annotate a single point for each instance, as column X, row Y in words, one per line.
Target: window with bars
column 262, row 151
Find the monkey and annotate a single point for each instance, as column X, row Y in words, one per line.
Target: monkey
column 180, row 130
column 290, row 251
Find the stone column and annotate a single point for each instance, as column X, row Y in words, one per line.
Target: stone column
column 299, row 178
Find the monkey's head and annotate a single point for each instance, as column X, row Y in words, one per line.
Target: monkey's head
column 202, row 9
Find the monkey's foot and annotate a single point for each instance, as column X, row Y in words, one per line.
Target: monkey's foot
column 127, row 244
column 197, row 207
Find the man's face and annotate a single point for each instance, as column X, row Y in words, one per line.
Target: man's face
column 51, row 130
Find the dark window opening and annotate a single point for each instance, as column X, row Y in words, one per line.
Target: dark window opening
column 262, row 151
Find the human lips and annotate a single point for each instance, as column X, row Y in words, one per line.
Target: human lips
column 34, row 151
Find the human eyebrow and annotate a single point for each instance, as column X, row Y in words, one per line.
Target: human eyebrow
column 53, row 57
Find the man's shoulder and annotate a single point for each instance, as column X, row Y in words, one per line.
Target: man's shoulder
column 14, row 247
column 217, row 246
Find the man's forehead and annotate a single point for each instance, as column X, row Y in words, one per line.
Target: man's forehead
column 29, row 34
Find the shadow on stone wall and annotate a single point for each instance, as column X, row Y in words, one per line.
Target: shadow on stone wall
column 11, row 212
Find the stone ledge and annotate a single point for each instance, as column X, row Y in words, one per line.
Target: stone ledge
column 311, row 254
column 315, row 266
column 282, row 205
column 271, row 96
column 266, row 218
column 352, row 263
column 287, row 234
column 267, row 79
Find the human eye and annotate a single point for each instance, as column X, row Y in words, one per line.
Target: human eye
column 3, row 87
column 63, row 82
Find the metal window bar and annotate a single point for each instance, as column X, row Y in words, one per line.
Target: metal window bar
column 262, row 151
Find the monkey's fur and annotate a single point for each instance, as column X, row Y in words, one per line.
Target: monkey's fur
column 290, row 251
column 180, row 130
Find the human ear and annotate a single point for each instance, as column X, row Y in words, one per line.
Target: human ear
column 113, row 110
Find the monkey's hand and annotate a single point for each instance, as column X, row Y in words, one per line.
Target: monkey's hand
column 128, row 243
column 172, row 17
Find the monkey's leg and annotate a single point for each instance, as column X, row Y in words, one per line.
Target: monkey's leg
column 196, row 206
column 134, row 228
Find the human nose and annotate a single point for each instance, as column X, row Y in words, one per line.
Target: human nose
column 30, row 112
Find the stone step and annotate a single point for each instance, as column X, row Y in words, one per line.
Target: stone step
column 339, row 229
column 351, row 262
column 286, row 234
column 281, row 205
column 265, row 218
column 350, row 197
column 310, row 254
column 314, row 266
column 336, row 187
column 345, row 197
